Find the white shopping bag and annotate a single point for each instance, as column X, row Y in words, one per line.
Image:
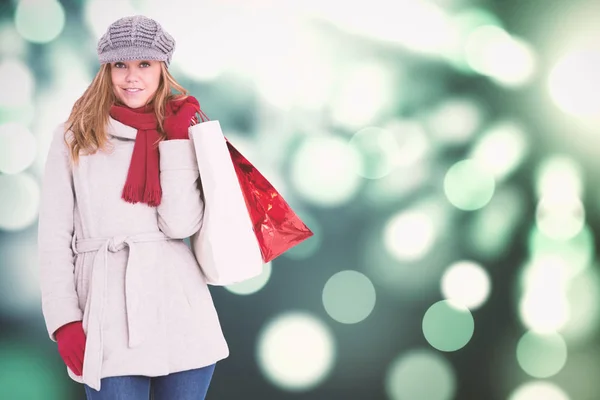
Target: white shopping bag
column 226, row 246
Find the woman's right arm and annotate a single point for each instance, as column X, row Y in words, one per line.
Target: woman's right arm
column 55, row 232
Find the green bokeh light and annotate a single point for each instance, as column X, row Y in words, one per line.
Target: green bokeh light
column 448, row 326
column 576, row 252
column 420, row 375
column 468, row 185
column 40, row 21
column 28, row 374
column 349, row 297
column 541, row 355
column 379, row 151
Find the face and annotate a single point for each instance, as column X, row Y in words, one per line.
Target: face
column 134, row 82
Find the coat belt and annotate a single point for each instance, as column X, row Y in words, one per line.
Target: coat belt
column 92, row 364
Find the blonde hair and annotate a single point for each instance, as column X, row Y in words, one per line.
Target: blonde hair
column 89, row 116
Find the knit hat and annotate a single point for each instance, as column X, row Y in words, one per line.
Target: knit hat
column 135, row 38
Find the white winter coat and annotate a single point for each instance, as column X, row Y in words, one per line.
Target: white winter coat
column 122, row 268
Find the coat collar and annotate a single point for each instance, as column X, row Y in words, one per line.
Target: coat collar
column 119, row 129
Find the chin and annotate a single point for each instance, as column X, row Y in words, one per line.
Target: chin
column 133, row 104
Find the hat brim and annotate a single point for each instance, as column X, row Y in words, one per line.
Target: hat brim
column 132, row 53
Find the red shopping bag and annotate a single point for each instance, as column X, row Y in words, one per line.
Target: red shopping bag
column 276, row 225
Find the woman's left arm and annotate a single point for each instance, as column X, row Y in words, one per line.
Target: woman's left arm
column 181, row 209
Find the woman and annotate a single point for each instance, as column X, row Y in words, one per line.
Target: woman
column 122, row 294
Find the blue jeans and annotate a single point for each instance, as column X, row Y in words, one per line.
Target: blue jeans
column 184, row 385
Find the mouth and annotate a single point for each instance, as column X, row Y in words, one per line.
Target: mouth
column 132, row 90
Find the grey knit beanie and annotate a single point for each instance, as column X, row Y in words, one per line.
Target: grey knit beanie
column 135, row 38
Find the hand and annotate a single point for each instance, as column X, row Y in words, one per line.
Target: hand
column 180, row 118
column 71, row 345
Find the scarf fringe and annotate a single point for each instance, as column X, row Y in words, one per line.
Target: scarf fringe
column 152, row 197
column 132, row 194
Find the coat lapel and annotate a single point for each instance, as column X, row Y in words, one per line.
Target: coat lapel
column 118, row 129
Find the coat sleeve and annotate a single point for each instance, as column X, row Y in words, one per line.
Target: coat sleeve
column 55, row 234
column 181, row 209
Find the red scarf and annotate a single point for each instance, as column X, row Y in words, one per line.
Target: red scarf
column 143, row 177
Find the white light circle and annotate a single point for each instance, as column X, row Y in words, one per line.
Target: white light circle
column 325, row 171
column 538, row 390
column 296, row 351
column 574, row 83
column 17, row 148
column 409, row 235
column 17, row 83
column 19, row 201
column 466, row 283
column 560, row 217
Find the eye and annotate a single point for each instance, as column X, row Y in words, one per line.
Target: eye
column 144, row 64
column 119, row 65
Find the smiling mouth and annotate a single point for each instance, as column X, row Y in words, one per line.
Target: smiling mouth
column 132, row 90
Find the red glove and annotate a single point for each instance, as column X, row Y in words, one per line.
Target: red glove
column 71, row 345
column 179, row 117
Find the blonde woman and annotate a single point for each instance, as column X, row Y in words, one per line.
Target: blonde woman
column 122, row 294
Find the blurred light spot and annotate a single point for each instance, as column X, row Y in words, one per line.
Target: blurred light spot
column 463, row 23
column 296, row 351
column 23, row 114
column 412, row 141
column 541, row 355
column 292, row 69
column 379, row 150
column 28, row 373
column 575, row 253
column 420, row 375
column 19, row 285
column 39, row 21
column 558, row 176
column 17, row 148
column 544, row 310
column 560, row 218
column 419, row 26
column 487, row 50
column 448, row 326
column 574, row 83
column 17, row 83
column 310, row 246
column 501, row 149
column 409, row 235
column 11, row 43
column 455, row 121
column 538, row 390
column 325, row 171
column 419, row 274
column 491, row 230
column 19, row 201
column 349, row 297
column 583, row 296
column 399, row 184
column 252, row 285
column 469, row 185
column 366, row 91
column 466, row 283
column 99, row 17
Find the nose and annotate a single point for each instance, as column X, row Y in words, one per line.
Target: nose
column 131, row 75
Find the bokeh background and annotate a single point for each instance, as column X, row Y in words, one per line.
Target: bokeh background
column 443, row 152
